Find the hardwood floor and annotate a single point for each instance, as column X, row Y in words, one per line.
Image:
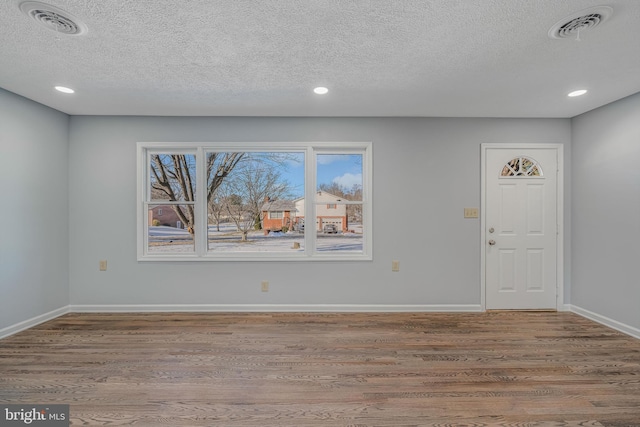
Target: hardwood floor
column 357, row 370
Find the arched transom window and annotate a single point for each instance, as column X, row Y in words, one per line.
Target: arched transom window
column 521, row 166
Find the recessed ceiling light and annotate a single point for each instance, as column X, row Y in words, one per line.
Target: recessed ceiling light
column 577, row 93
column 321, row 90
column 64, row 89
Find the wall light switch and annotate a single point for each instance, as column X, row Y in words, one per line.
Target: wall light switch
column 395, row 265
column 264, row 286
column 103, row 265
column 471, row 212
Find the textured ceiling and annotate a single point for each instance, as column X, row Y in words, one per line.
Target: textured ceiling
column 447, row 58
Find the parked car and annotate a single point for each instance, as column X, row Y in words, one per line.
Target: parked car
column 330, row 229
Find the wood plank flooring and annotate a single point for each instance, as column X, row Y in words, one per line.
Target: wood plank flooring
column 355, row 369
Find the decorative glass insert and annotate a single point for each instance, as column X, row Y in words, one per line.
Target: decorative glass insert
column 521, row 166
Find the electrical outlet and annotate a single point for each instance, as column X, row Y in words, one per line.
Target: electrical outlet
column 395, row 265
column 264, row 286
column 103, row 265
column 471, row 212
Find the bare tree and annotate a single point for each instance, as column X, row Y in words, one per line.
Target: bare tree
column 216, row 210
column 240, row 214
column 219, row 166
column 174, row 180
column 251, row 176
column 247, row 190
column 333, row 188
column 174, row 175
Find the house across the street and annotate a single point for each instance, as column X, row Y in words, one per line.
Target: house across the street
column 329, row 211
column 164, row 215
column 277, row 214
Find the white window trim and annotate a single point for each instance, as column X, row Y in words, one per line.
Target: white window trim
column 144, row 149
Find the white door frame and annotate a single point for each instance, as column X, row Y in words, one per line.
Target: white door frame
column 559, row 209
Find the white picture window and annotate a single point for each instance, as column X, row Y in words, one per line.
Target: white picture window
column 287, row 201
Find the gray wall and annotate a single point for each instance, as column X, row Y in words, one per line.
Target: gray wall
column 426, row 170
column 606, row 206
column 34, row 242
column 54, row 229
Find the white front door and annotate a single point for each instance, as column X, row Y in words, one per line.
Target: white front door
column 521, row 227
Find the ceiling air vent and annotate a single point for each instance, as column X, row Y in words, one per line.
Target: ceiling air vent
column 53, row 18
column 573, row 25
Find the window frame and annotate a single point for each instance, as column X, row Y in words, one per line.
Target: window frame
column 201, row 252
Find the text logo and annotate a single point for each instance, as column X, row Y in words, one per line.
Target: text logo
column 34, row 415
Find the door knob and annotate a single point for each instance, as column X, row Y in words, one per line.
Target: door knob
column 492, row 242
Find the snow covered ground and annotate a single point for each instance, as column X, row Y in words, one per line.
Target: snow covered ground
column 168, row 239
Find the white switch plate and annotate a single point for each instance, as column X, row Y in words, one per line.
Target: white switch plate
column 395, row 265
column 103, row 265
column 264, row 286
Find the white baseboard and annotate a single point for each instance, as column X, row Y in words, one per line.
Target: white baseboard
column 613, row 324
column 30, row 323
column 274, row 308
column 271, row 308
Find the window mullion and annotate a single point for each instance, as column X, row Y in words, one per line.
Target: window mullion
column 144, row 221
column 201, row 229
column 310, row 202
column 367, row 209
column 143, row 199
